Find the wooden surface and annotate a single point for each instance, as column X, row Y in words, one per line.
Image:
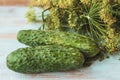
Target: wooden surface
column 12, row 20
column 14, row 2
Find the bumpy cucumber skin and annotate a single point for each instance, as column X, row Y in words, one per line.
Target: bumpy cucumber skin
column 41, row 59
column 37, row 37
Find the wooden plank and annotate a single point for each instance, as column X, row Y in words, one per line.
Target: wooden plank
column 8, row 36
column 14, row 2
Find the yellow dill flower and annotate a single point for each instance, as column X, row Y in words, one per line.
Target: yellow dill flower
column 106, row 17
column 66, row 3
column 86, row 2
column 105, row 14
column 31, row 16
column 112, row 40
column 40, row 3
column 112, row 44
column 63, row 3
column 54, row 19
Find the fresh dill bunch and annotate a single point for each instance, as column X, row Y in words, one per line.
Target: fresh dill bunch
column 81, row 18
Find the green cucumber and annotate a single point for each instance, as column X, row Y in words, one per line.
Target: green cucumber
column 49, row 58
column 37, row 37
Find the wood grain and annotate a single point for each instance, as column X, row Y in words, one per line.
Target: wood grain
column 8, row 36
column 14, row 2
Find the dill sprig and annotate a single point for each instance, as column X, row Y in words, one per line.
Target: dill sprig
column 95, row 25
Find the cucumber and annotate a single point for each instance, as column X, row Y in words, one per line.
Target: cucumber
column 37, row 37
column 49, row 58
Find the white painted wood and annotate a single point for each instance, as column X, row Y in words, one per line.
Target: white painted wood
column 12, row 20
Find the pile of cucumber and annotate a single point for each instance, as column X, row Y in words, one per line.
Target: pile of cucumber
column 51, row 51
